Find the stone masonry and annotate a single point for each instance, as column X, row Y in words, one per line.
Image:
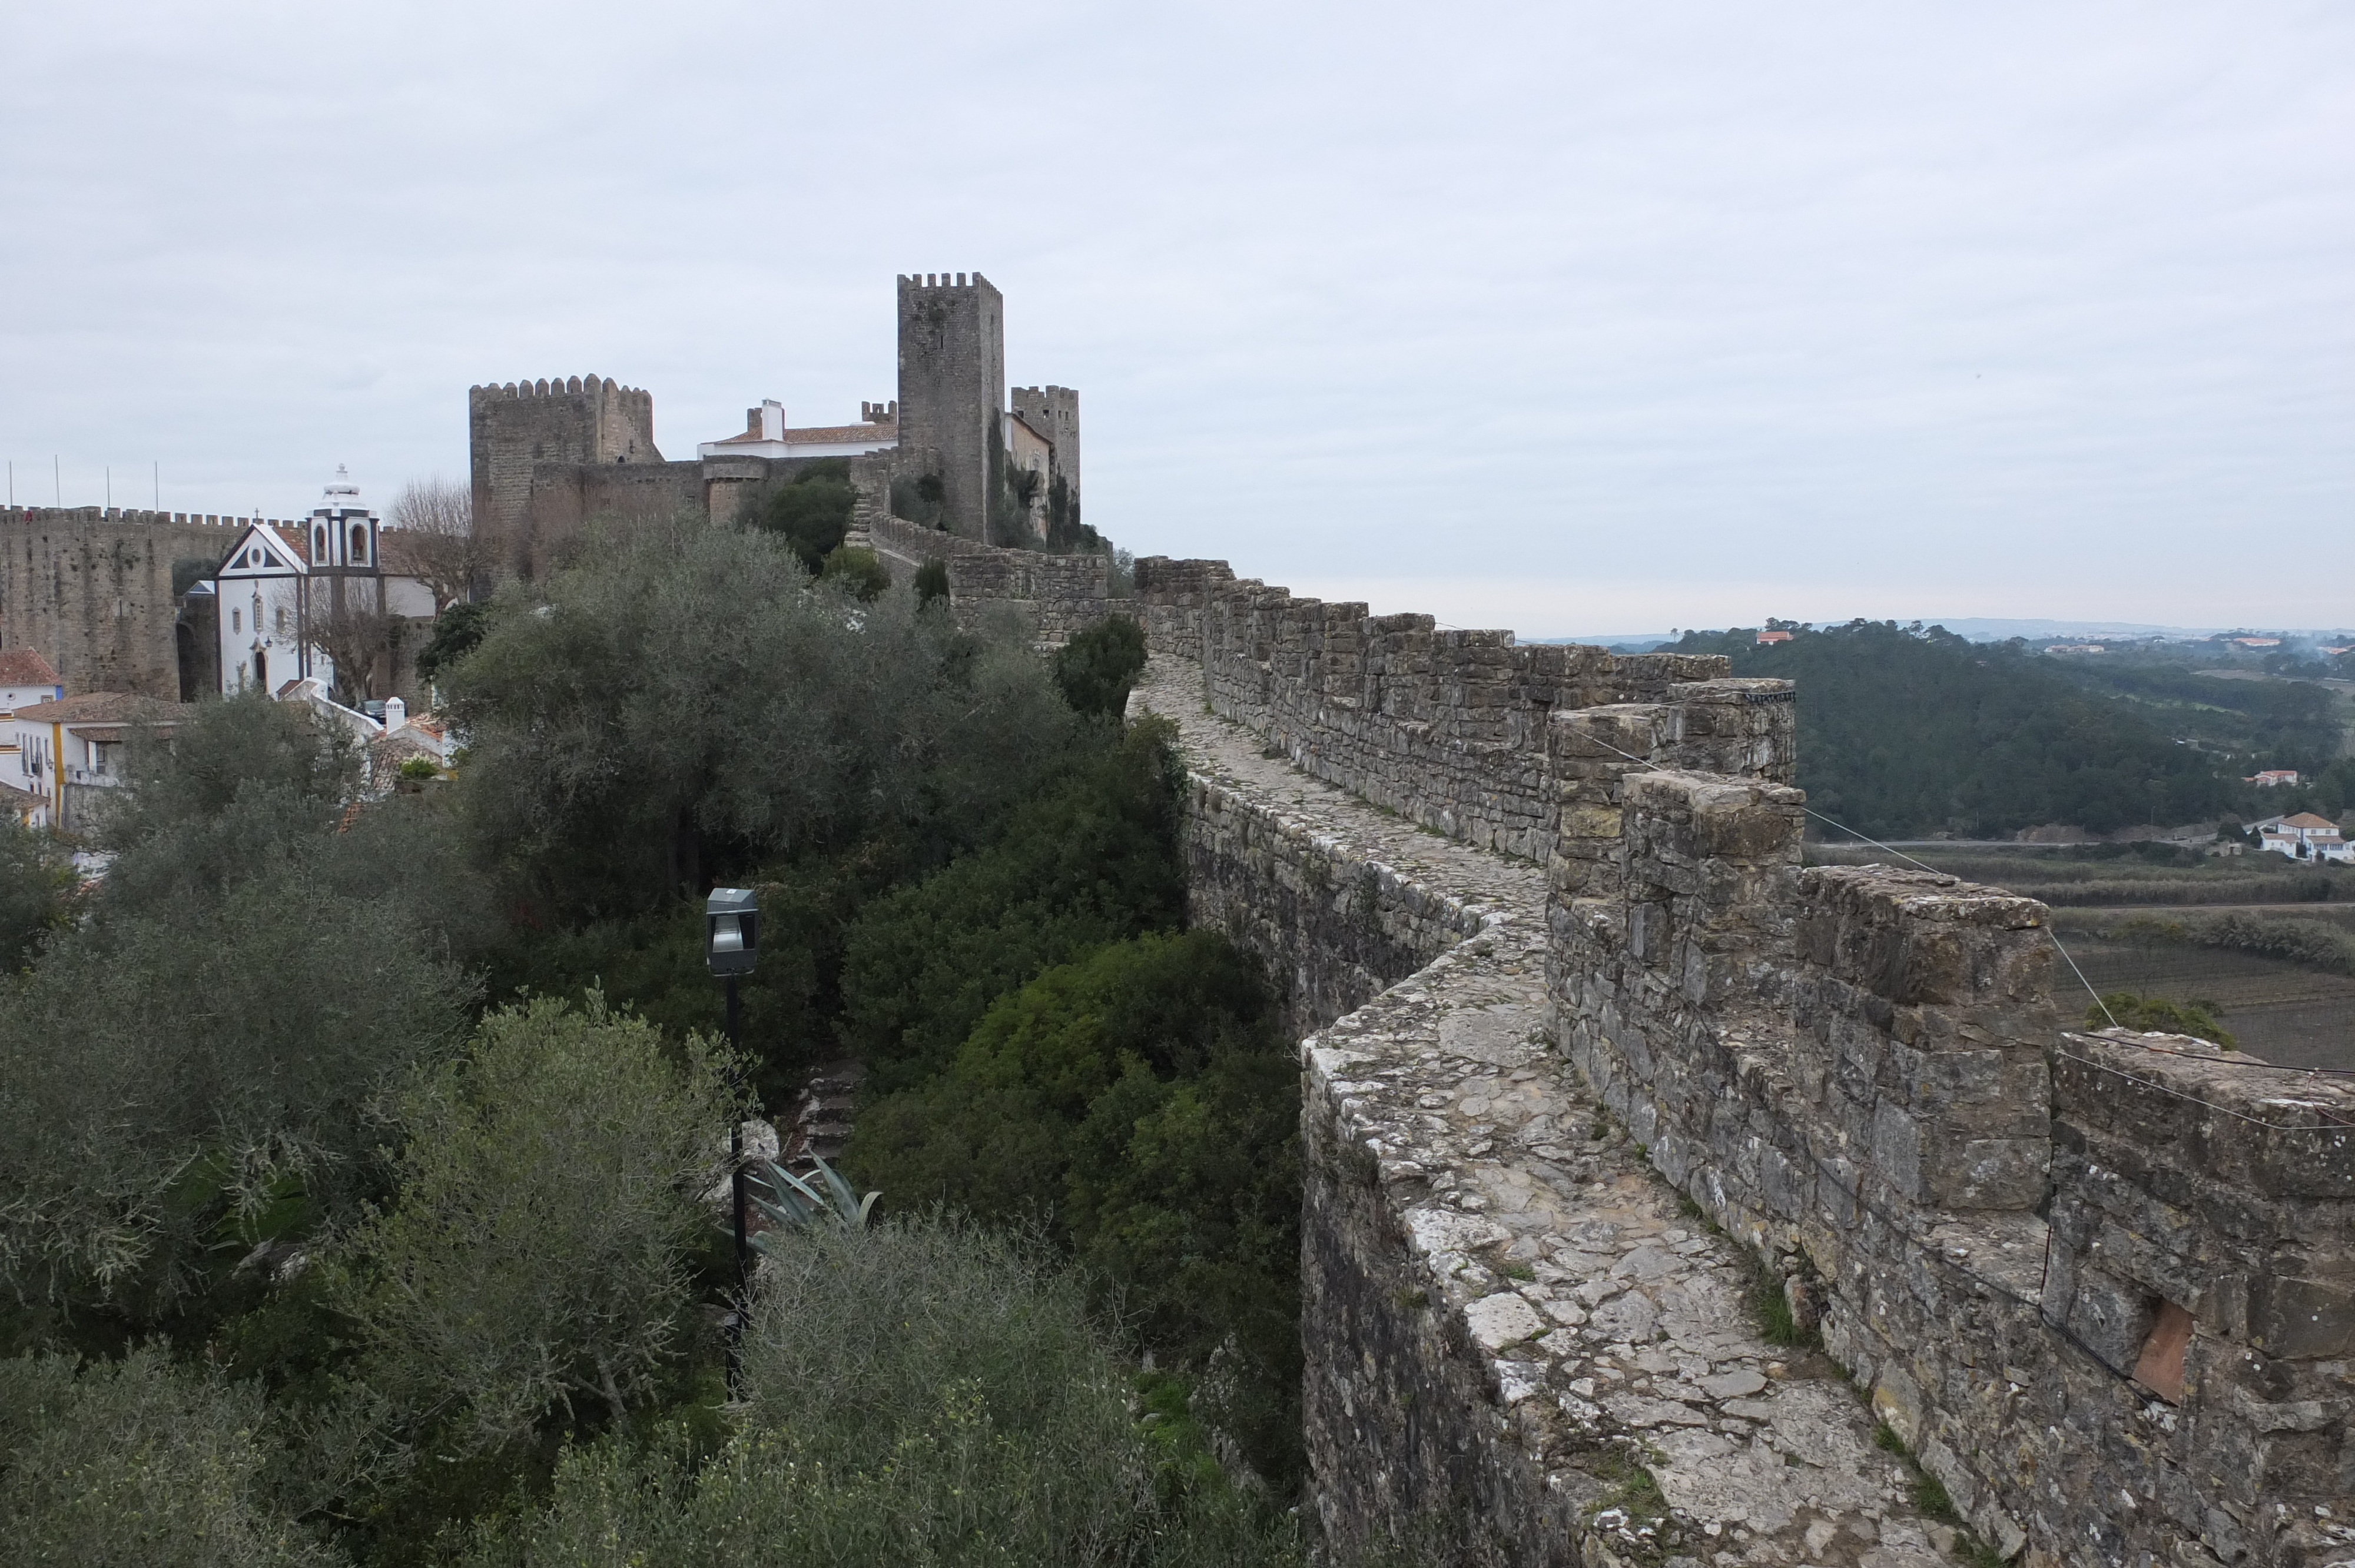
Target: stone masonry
column 90, row 591
column 2101, row 1288
column 1511, row 1321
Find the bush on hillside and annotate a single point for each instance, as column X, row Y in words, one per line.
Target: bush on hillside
column 1144, row 1099
column 919, row 1392
column 1099, row 665
column 810, row 510
column 1094, row 862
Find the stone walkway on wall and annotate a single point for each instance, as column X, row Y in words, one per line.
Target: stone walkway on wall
column 1607, row 1323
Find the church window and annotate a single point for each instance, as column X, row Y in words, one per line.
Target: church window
column 237, row 620
column 319, row 545
column 359, row 543
column 281, row 621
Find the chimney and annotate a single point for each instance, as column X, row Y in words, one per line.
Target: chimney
column 773, row 420
column 396, row 713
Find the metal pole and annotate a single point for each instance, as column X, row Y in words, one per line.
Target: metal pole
column 736, row 1188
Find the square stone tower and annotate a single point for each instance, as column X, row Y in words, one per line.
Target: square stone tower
column 570, row 420
column 953, row 393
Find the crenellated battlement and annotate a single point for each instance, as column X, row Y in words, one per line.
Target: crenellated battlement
column 941, row 282
column 84, row 516
column 562, row 386
column 2101, row 1287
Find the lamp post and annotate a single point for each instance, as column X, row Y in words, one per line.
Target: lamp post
column 731, row 944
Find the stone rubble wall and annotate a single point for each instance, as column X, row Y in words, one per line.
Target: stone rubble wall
column 1511, row 1326
column 1997, row 1226
column 1862, row 1072
column 1057, row 595
column 89, row 590
column 1447, row 727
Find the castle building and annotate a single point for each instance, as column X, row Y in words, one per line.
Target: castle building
column 950, row 449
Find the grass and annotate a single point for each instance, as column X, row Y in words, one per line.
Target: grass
column 1931, row 1501
column 1777, row 1325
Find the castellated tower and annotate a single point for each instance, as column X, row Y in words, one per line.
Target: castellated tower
column 953, row 393
column 1054, row 413
column 568, row 421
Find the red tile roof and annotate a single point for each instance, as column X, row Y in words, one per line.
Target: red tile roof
column 24, row 667
column 821, row 435
column 93, row 707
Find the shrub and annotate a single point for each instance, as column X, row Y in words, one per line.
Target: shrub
column 1143, row 1097
column 2159, row 1014
column 134, row 1461
column 810, row 510
column 1096, row 668
column 932, row 581
column 36, row 883
column 861, row 572
column 548, row 1199
column 921, row 1391
column 1092, row 862
column 419, row 767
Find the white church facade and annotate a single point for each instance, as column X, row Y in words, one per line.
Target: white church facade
column 285, row 586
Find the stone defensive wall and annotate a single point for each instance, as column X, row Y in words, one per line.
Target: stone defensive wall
column 1602, row 1081
column 90, row 588
column 1057, row 594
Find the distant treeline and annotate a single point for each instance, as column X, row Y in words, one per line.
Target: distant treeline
column 1907, row 731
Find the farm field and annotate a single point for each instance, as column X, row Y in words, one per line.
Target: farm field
column 2111, row 909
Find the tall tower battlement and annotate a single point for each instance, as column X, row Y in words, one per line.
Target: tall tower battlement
column 569, row 419
column 952, row 391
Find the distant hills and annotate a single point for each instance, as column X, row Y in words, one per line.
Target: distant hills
column 1979, row 629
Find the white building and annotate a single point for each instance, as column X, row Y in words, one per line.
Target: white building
column 766, row 436
column 283, row 586
column 2304, row 836
column 53, row 753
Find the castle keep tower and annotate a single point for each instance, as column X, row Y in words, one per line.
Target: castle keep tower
column 953, row 393
column 572, row 421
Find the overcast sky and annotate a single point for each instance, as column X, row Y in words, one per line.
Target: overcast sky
column 1571, row 318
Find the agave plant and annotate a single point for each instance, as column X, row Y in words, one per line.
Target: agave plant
column 797, row 1203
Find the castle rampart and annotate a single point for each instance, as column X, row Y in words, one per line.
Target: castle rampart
column 2102, row 1287
column 91, row 589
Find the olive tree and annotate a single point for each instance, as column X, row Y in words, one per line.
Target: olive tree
column 548, row 1198
column 137, row 1461
column 685, row 695
column 202, row 1063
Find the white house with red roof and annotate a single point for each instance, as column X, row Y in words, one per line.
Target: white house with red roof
column 2304, row 836
column 766, row 435
column 53, row 753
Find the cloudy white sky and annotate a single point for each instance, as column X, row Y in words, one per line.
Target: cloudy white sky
column 1571, row 318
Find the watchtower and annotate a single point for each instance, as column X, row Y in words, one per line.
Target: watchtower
column 953, row 392
column 571, row 420
column 1054, row 413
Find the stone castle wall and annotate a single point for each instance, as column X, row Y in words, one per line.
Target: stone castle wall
column 2102, row 1286
column 569, row 421
column 1058, row 595
column 91, row 590
column 1445, row 728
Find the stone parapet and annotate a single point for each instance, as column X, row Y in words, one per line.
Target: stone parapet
column 1450, row 728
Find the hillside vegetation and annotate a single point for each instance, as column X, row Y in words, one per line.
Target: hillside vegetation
column 1912, row 731
column 357, row 1156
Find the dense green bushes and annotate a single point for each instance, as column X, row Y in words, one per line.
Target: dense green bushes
column 810, row 510
column 140, row 1461
column 923, row 1391
column 1094, row 861
column 1142, row 1103
column 460, row 1268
